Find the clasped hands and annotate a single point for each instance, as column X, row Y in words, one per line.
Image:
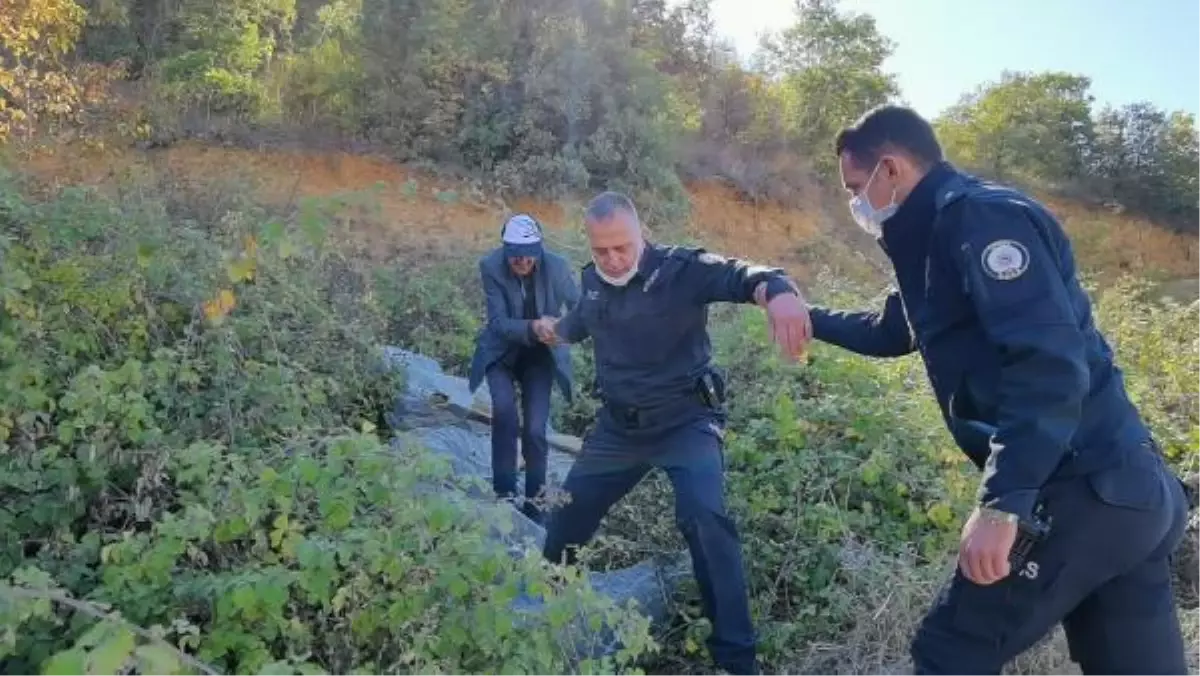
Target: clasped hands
column 787, row 315
column 543, row 328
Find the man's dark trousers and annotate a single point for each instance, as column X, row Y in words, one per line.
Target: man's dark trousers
column 1103, row 572
column 686, row 443
column 533, row 369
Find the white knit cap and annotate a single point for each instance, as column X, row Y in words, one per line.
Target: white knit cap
column 521, row 237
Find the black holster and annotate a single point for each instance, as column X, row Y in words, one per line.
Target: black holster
column 710, row 386
column 1030, row 532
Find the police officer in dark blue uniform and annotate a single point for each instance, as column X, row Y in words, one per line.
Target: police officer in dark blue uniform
column 988, row 294
column 645, row 308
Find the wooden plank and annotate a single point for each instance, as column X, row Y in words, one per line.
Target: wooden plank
column 565, row 443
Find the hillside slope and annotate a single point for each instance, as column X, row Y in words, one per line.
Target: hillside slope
column 239, row 336
column 193, row 427
column 405, row 209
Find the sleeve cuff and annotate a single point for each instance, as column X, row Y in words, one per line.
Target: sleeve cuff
column 819, row 317
column 1021, row 502
column 776, row 285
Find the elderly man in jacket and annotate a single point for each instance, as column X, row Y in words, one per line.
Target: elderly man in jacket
column 522, row 282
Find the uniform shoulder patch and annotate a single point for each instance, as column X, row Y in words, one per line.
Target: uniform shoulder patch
column 683, row 252
column 1005, row 259
column 708, row 257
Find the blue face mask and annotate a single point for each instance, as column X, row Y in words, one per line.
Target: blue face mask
column 868, row 217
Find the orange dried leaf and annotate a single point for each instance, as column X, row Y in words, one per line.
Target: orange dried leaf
column 218, row 308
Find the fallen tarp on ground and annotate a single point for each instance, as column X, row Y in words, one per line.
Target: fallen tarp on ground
column 441, row 413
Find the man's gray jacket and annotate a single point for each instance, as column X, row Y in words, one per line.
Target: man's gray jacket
column 506, row 328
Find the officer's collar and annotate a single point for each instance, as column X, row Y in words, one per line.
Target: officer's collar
column 651, row 253
column 918, row 209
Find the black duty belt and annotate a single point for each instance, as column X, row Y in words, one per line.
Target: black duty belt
column 708, row 392
column 638, row 417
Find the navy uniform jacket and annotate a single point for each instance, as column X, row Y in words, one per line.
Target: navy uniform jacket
column 506, row 328
column 650, row 337
column 988, row 294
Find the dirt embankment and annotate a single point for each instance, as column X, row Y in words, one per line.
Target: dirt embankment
column 397, row 209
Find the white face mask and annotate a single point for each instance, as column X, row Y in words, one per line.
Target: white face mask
column 868, row 217
column 628, row 275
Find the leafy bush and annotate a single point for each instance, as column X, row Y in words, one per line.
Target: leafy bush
column 1158, row 345
column 186, row 417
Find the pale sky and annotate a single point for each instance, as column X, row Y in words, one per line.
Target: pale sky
column 1133, row 50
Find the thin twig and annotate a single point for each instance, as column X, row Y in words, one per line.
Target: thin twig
column 92, row 610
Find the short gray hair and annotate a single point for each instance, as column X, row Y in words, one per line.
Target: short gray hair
column 603, row 206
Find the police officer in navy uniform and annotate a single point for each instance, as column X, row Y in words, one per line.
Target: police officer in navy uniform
column 988, row 294
column 645, row 308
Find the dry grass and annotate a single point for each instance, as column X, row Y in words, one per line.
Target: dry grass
column 1116, row 243
column 398, row 210
column 894, row 600
column 401, row 210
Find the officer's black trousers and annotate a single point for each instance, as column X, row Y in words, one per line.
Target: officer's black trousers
column 1103, row 572
column 613, row 461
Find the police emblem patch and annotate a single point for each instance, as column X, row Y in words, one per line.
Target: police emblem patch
column 1005, row 259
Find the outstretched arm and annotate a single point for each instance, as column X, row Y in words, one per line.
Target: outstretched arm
column 718, row 279
column 883, row 333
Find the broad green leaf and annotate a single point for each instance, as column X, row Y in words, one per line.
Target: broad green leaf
column 156, row 658
column 66, row 662
column 111, row 654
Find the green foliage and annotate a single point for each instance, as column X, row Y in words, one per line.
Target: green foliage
column 1041, row 128
column 539, row 97
column 187, row 407
column 38, row 88
column 830, row 71
column 834, row 467
column 1038, row 124
column 1148, row 159
column 187, row 418
column 428, row 311
column 187, row 411
column 1158, row 345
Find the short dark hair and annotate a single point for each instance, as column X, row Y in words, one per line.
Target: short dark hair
column 603, row 206
column 889, row 128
